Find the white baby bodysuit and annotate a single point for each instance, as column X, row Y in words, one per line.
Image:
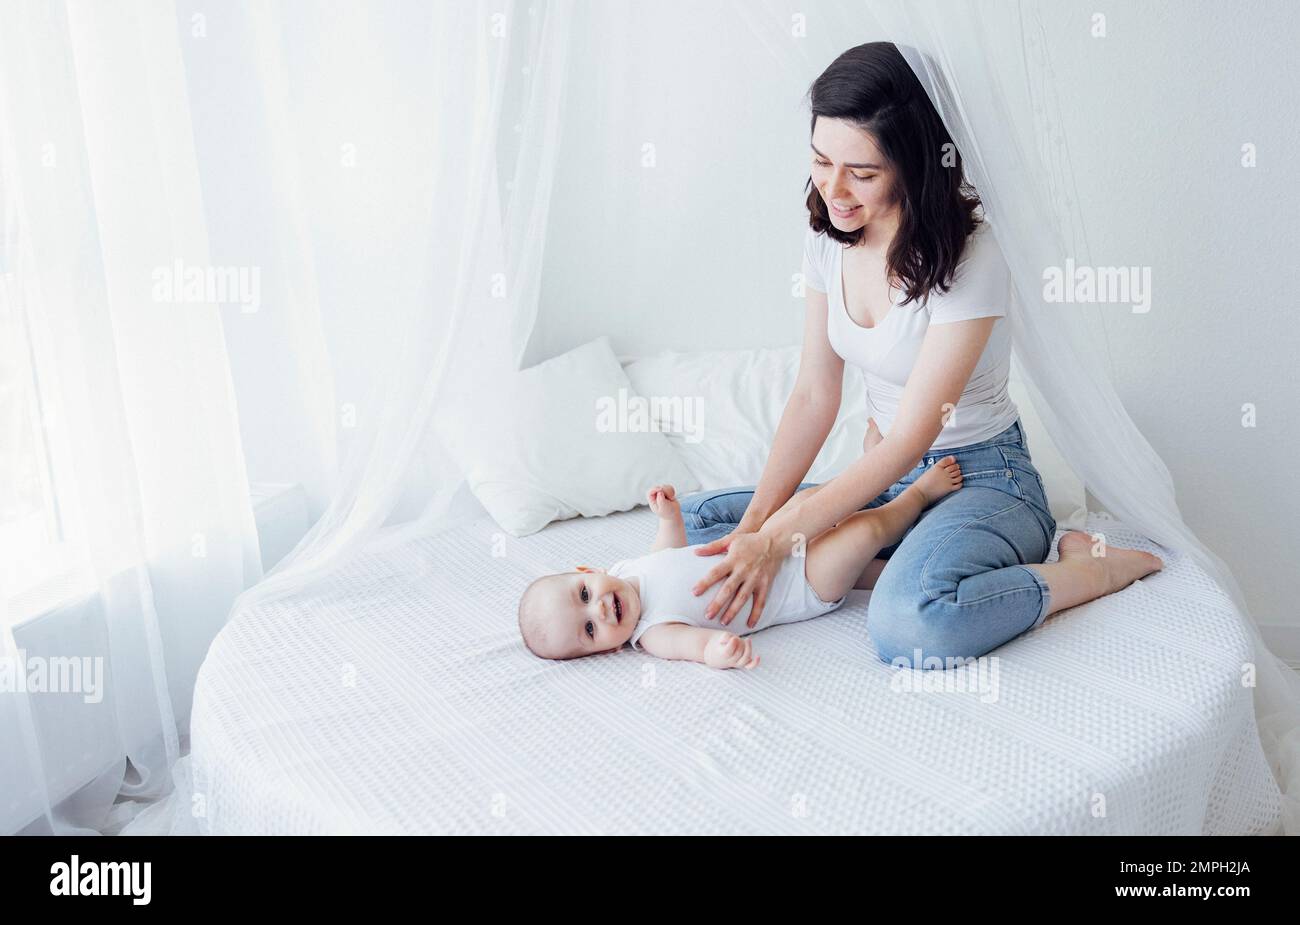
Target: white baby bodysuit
column 667, row 576
column 886, row 353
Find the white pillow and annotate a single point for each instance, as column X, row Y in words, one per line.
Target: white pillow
column 742, row 394
column 566, row 443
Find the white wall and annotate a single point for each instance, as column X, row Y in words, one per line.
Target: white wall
column 696, row 252
column 1162, row 107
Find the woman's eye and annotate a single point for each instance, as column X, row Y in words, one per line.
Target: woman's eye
column 584, row 594
column 855, row 176
column 591, row 629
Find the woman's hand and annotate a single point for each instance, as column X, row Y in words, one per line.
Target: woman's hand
column 749, row 569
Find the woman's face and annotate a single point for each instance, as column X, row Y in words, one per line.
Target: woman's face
column 851, row 174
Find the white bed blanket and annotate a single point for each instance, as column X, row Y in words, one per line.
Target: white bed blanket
column 399, row 699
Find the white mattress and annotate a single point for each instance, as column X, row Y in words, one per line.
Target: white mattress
column 399, row 699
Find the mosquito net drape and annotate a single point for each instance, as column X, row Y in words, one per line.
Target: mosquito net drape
column 505, row 91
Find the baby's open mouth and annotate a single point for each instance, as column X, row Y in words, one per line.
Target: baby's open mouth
column 618, row 609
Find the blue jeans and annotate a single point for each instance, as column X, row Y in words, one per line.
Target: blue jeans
column 956, row 585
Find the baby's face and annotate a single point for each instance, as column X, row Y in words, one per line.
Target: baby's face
column 597, row 611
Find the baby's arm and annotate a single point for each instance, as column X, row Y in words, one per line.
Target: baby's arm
column 672, row 532
column 715, row 648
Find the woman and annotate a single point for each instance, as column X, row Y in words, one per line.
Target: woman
column 905, row 281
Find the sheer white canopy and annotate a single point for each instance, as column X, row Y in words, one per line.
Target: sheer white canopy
column 507, row 93
column 985, row 68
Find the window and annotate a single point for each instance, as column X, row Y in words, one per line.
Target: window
column 36, row 564
column 26, row 495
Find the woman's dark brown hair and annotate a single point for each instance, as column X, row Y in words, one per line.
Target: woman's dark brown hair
column 873, row 87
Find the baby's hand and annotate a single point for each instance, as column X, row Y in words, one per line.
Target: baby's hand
column 727, row 650
column 663, row 501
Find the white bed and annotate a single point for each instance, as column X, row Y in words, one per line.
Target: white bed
column 399, row 700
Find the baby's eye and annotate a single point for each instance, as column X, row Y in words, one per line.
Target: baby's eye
column 591, row 629
column 584, row 595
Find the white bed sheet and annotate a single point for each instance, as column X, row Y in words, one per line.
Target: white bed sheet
column 399, row 699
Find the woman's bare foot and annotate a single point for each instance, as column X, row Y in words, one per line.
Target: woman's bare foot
column 873, row 435
column 943, row 478
column 1117, row 566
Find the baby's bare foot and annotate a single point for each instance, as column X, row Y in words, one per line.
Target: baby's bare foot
column 873, row 435
column 1117, row 566
column 943, row 478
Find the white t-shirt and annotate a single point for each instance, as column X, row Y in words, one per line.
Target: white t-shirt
column 666, row 577
column 885, row 354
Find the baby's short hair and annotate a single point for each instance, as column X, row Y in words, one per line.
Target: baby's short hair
column 535, row 625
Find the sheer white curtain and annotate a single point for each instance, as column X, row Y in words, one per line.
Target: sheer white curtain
column 128, row 529
column 495, row 79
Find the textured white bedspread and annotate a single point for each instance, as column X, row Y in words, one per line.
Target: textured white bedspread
column 399, row 699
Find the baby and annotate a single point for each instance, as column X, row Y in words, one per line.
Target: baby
column 647, row 601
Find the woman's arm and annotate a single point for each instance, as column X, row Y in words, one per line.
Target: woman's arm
column 809, row 415
column 805, row 424
column 943, row 366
